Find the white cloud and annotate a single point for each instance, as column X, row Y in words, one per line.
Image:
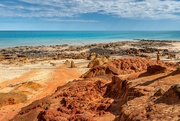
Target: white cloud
column 147, row 9
column 68, row 20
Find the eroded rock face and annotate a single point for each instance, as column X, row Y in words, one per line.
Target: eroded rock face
column 126, row 66
column 97, row 96
column 78, row 100
column 155, row 69
column 177, row 71
column 158, row 107
column 172, row 96
column 100, row 71
column 89, row 99
column 176, row 89
column 117, row 89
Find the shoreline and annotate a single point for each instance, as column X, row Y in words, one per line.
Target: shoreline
column 90, row 43
column 102, row 41
column 169, row 50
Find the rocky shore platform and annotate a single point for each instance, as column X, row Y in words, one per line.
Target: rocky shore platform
column 119, row 81
column 142, row 48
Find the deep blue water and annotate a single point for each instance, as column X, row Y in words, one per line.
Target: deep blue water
column 25, row 38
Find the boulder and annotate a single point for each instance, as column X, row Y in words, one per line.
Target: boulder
column 91, row 64
column 91, row 57
column 67, row 62
column 104, row 59
column 97, row 62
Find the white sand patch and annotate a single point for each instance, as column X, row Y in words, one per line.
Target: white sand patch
column 8, row 72
column 41, row 76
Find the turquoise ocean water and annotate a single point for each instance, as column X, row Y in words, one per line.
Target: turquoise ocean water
column 30, row 38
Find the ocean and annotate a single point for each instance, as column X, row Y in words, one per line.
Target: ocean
column 33, row 38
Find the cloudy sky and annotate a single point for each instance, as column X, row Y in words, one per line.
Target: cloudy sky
column 89, row 14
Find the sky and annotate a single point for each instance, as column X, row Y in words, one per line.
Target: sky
column 90, row 15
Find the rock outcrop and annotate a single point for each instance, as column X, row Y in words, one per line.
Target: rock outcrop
column 96, row 97
column 172, row 96
column 159, row 107
column 77, row 100
column 127, row 66
column 97, row 60
column 73, row 64
column 155, row 69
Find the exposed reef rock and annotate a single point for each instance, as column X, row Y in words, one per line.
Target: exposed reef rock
column 142, row 48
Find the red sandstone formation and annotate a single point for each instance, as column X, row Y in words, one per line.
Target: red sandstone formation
column 126, row 66
column 81, row 100
column 155, row 96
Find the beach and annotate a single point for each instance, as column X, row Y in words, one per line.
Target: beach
column 30, row 73
column 90, row 60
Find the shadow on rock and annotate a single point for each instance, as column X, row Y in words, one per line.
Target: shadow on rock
column 172, row 96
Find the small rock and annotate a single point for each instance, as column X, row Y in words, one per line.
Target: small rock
column 72, row 64
column 67, row 62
